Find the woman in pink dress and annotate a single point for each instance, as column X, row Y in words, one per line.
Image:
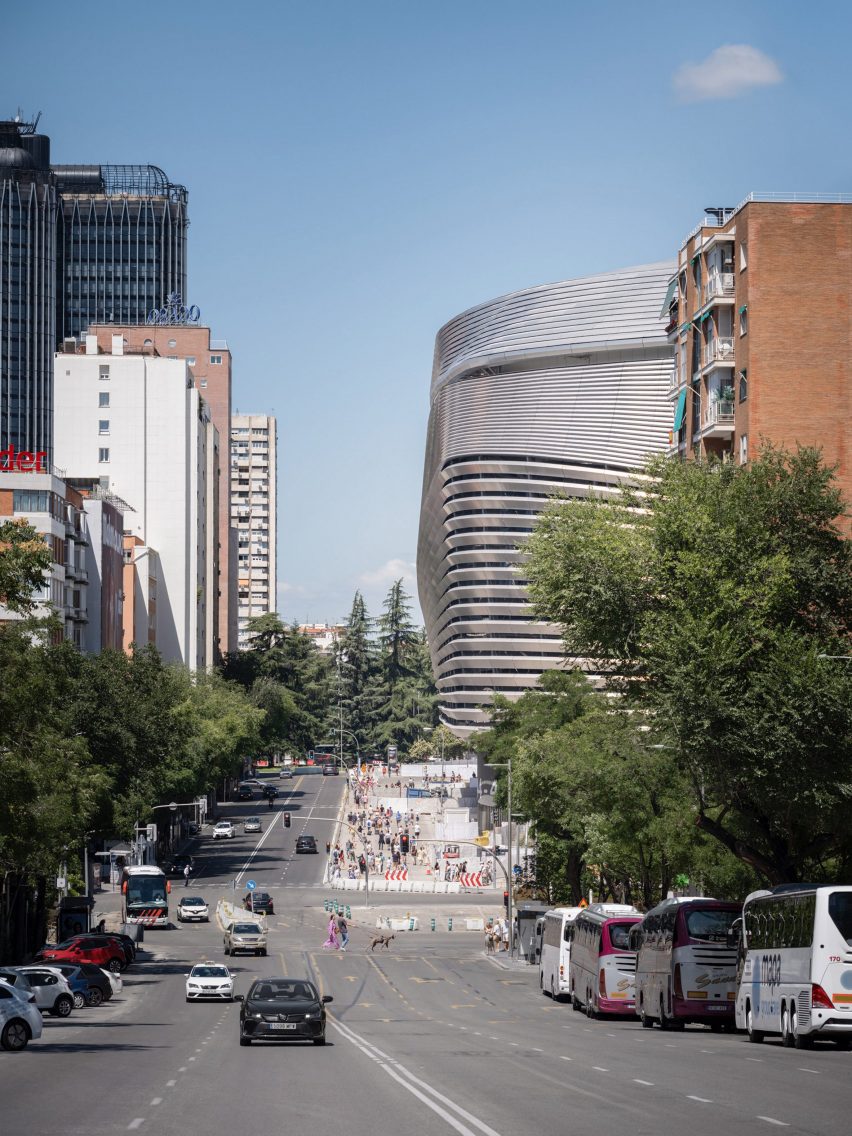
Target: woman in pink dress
column 332, row 943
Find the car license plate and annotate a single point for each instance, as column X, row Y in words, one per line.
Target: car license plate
column 282, row 1025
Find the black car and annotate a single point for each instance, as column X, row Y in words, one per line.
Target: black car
column 176, row 865
column 100, row 987
column 260, row 902
column 306, row 844
column 270, row 792
column 282, row 1009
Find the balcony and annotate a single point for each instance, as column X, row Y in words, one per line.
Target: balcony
column 720, row 349
column 719, row 286
column 717, row 420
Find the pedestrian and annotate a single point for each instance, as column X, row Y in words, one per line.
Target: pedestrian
column 416, row 830
column 332, row 943
column 381, row 840
column 343, row 929
column 186, row 873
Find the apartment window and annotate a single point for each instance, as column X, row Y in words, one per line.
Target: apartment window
column 743, row 255
column 172, row 343
column 103, row 454
column 103, row 426
column 203, row 382
column 190, row 360
column 743, row 386
column 103, row 371
column 216, row 360
column 744, row 320
column 103, row 399
column 743, row 449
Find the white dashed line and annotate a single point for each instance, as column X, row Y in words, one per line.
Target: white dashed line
column 495, row 1038
column 156, row 1101
column 650, row 1084
column 170, row 1084
column 801, row 1070
column 600, row 1069
column 137, row 1123
column 759, row 1060
column 182, row 1069
column 561, row 1058
column 701, row 1100
column 536, row 1049
column 772, row 1120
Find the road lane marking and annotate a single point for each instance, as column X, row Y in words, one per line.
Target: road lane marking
column 417, row 1087
column 170, row 1084
column 759, row 1060
column 137, row 1123
column 182, row 1069
column 566, row 1058
column 701, row 1100
column 801, row 1070
column 600, row 1069
column 156, row 1101
column 257, row 848
column 637, row 1080
column 772, row 1120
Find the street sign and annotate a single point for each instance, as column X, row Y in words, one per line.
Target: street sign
column 251, row 885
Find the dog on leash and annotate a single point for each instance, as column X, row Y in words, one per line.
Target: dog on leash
column 382, row 941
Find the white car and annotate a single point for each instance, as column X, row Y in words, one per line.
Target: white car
column 191, row 908
column 209, row 980
column 252, row 824
column 52, row 993
column 20, row 1018
column 115, row 980
column 223, row 828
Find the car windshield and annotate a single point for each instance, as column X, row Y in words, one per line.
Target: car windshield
column 709, row 925
column 192, row 901
column 209, row 972
column 252, row 820
column 283, row 991
column 246, row 929
column 840, row 910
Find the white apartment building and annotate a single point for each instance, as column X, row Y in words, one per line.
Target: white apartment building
column 135, row 423
column 254, row 444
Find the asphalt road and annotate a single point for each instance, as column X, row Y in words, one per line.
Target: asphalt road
column 429, row 1037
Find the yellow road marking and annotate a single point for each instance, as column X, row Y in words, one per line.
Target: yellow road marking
column 463, row 1006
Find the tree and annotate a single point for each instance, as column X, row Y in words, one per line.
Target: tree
column 405, row 697
column 357, row 667
column 712, row 591
column 25, row 562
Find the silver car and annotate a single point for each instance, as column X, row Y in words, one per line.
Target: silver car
column 20, row 1018
column 246, row 937
column 53, row 994
column 252, row 824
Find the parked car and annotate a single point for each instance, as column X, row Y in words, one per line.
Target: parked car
column 52, row 992
column 282, row 1009
column 209, row 980
column 194, row 828
column 306, row 843
column 109, row 954
column 259, row 902
column 103, row 938
column 114, row 979
column 75, row 978
column 252, row 824
column 224, row 829
column 192, row 909
column 20, row 1019
column 100, row 987
column 246, row 938
column 12, row 976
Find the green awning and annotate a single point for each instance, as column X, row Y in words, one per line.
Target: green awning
column 695, row 258
column 684, row 327
column 706, row 316
column 744, row 308
column 670, row 294
column 680, row 410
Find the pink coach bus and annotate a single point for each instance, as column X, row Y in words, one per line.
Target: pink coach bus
column 602, row 970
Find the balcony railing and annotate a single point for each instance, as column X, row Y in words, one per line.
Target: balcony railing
column 718, row 413
column 720, row 349
column 719, row 284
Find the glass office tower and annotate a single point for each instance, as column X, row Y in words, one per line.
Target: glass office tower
column 121, row 244
column 27, row 292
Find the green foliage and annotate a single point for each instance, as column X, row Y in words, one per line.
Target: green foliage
column 717, row 588
column 25, row 563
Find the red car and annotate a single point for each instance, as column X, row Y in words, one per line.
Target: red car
column 107, row 954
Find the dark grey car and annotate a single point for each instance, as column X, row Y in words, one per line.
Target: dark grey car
column 282, row 1009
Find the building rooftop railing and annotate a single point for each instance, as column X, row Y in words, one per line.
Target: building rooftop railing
column 801, row 198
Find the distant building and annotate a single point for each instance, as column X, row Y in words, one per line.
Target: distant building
column 209, row 361
column 555, row 389
column 141, row 574
column 324, row 635
column 254, row 514
column 27, row 290
column 758, row 313
column 121, row 244
column 134, row 423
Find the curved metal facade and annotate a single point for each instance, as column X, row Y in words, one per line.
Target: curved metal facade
column 556, row 389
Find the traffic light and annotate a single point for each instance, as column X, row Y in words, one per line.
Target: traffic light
column 403, row 843
column 286, row 820
column 506, row 900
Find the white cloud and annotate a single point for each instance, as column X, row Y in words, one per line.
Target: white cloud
column 387, row 573
column 728, row 71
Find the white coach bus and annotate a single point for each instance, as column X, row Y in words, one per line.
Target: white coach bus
column 556, row 951
column 796, row 965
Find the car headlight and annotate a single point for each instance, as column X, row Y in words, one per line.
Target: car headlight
column 314, row 1014
column 255, row 1015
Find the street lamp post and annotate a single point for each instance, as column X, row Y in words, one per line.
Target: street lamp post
column 510, row 906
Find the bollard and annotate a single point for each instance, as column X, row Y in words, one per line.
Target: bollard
column 411, row 924
column 450, row 923
column 433, row 923
column 348, row 911
column 336, row 908
column 325, row 904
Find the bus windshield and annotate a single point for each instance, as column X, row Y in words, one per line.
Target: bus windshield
column 619, row 936
column 840, row 910
column 146, row 890
column 710, row 925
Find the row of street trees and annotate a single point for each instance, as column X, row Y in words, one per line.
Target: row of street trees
column 717, row 601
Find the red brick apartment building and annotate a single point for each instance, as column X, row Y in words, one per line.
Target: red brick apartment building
column 759, row 313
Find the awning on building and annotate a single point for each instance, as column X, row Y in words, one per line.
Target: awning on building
column 670, row 294
column 744, row 308
column 680, row 410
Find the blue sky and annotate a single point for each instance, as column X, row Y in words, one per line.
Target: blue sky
column 361, row 172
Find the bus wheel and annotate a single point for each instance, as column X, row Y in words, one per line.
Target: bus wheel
column 664, row 1021
column 575, row 1002
column 556, row 997
column 647, row 1022
column 591, row 1013
column 754, row 1035
column 788, row 1028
